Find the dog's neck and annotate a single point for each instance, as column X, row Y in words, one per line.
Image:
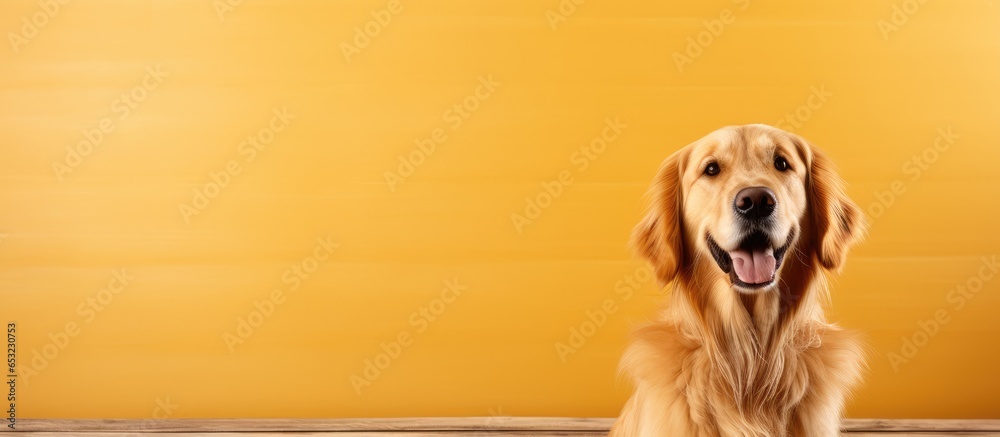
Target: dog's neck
column 749, row 336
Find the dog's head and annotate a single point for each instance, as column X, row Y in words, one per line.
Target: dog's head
column 741, row 198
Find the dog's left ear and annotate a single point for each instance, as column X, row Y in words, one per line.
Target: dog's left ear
column 838, row 222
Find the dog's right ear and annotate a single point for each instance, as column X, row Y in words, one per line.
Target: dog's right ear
column 658, row 237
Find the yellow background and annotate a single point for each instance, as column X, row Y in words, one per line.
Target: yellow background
column 492, row 351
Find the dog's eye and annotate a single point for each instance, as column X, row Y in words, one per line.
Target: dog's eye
column 712, row 169
column 781, row 163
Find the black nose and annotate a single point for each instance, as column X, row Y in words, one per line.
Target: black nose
column 755, row 203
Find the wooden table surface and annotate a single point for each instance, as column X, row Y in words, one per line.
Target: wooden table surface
column 443, row 426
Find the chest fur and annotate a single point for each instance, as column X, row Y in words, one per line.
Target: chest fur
column 746, row 388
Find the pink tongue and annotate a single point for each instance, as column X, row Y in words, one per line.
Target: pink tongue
column 754, row 267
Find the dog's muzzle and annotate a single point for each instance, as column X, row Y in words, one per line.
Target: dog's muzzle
column 754, row 263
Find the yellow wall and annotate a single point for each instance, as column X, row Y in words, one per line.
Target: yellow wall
column 880, row 97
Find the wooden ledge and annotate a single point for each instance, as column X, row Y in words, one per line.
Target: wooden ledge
column 445, row 426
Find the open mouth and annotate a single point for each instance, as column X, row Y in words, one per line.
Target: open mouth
column 755, row 261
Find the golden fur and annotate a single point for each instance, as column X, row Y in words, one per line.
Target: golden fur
column 722, row 361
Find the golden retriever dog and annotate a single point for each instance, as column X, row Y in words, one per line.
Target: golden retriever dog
column 745, row 222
